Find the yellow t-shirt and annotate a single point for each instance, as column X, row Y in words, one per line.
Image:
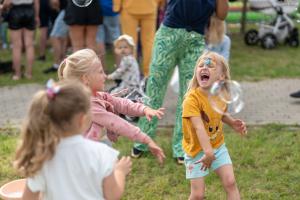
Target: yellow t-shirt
column 196, row 104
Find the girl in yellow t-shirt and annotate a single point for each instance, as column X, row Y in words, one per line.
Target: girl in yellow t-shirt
column 203, row 139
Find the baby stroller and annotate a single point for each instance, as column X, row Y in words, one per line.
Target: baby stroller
column 134, row 94
column 281, row 30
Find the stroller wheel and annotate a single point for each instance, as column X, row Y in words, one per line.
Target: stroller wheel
column 269, row 41
column 251, row 37
column 294, row 42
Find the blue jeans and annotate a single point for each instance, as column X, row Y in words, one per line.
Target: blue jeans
column 109, row 31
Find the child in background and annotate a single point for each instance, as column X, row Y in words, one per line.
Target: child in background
column 203, row 139
column 128, row 70
column 85, row 66
column 215, row 38
column 58, row 161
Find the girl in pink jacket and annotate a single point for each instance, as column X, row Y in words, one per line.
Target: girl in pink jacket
column 85, row 66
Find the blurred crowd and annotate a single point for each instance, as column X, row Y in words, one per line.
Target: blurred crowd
column 34, row 25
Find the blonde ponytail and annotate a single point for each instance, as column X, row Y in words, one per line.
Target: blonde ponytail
column 78, row 64
column 60, row 71
column 47, row 120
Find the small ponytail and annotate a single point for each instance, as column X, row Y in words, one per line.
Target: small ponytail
column 77, row 64
column 60, row 71
column 47, row 120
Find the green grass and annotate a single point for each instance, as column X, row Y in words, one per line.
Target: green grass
column 252, row 17
column 250, row 63
column 266, row 166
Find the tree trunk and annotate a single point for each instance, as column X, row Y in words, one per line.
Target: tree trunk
column 243, row 18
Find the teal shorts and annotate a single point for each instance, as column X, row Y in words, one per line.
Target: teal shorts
column 194, row 170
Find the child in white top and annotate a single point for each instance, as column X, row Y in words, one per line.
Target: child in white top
column 128, row 70
column 58, row 161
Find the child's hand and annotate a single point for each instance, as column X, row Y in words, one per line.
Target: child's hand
column 149, row 113
column 239, row 126
column 156, row 151
column 109, row 77
column 124, row 165
column 206, row 160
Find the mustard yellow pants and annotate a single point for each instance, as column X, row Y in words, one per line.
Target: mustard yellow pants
column 147, row 23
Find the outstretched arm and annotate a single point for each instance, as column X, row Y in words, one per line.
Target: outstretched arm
column 222, row 9
column 150, row 113
column 236, row 124
column 120, row 71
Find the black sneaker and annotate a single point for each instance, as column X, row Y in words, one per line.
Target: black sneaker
column 295, row 94
column 135, row 153
column 144, row 84
column 180, row 160
column 50, row 70
column 42, row 58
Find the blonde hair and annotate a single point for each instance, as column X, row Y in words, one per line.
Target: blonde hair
column 48, row 118
column 128, row 39
column 77, row 64
column 220, row 60
column 216, row 31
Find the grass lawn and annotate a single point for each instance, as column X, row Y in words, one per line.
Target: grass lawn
column 266, row 166
column 250, row 63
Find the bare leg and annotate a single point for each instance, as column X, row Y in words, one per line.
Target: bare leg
column 228, row 181
column 59, row 48
column 197, row 189
column 43, row 41
column 101, row 53
column 28, row 40
column 76, row 33
column 90, row 37
column 16, row 39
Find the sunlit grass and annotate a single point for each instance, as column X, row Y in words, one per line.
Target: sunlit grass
column 266, row 165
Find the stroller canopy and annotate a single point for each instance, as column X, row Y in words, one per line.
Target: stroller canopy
column 268, row 6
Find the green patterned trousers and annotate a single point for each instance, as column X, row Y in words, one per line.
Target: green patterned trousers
column 172, row 46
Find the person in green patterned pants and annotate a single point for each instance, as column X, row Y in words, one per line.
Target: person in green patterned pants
column 176, row 46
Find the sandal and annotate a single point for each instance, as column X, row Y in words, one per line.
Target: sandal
column 16, row 77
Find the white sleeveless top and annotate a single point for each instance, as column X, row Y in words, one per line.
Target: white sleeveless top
column 19, row 2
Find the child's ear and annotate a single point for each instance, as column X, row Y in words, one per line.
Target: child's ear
column 222, row 77
column 85, row 80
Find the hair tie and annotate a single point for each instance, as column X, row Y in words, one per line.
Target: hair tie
column 51, row 89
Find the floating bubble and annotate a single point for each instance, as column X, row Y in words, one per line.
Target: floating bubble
column 82, row 3
column 225, row 97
